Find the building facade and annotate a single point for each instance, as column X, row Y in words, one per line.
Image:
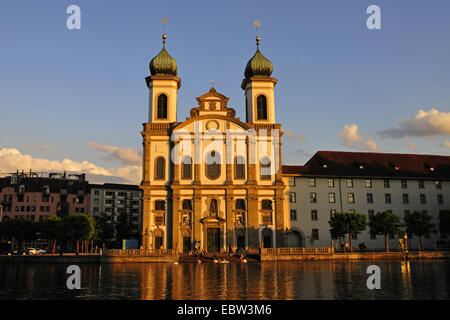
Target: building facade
column 366, row 183
column 212, row 181
column 110, row 200
column 35, row 197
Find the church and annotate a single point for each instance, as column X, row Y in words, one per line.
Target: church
column 213, row 181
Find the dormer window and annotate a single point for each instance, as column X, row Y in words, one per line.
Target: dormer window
column 64, row 192
column 46, row 190
column 21, row 188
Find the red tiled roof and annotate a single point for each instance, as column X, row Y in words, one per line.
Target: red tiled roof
column 372, row 164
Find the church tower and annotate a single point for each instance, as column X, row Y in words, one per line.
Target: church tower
column 163, row 85
column 259, row 89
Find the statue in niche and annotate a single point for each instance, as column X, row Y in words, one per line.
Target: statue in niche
column 213, row 208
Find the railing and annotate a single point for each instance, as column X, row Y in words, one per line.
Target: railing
column 138, row 252
column 302, row 250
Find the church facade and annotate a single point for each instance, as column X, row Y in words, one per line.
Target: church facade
column 212, row 181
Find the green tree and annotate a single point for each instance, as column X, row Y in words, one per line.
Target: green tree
column 104, row 230
column 51, row 228
column 123, row 227
column 77, row 227
column 444, row 222
column 419, row 224
column 347, row 223
column 22, row 229
column 385, row 223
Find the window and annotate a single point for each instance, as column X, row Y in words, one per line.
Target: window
column 261, row 107
column 351, row 211
column 368, row 183
column 421, row 184
column 313, row 197
column 160, row 205
column 314, row 216
column 266, row 205
column 96, row 192
column 438, row 185
column 162, row 107
column 332, row 212
column 291, row 182
column 349, row 183
column 369, row 198
column 312, row 182
column 239, row 167
column 160, row 168
column 371, row 213
column 351, row 198
column 240, row 204
column 440, row 199
column 423, row 199
column 331, row 197
column 404, row 184
column 406, row 212
column 186, row 168
column 292, row 197
column 293, row 215
column 387, row 183
column 387, row 198
column 315, row 234
column 109, row 193
column 405, row 198
column 212, row 167
column 265, row 168
column 330, row 182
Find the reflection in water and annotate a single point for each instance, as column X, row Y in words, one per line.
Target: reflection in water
column 234, row 281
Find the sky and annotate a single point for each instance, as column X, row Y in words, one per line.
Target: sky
column 75, row 100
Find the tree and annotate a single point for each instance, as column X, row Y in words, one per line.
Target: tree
column 385, row 223
column 22, row 229
column 123, row 227
column 419, row 224
column 444, row 222
column 51, row 228
column 346, row 222
column 77, row 227
column 104, row 231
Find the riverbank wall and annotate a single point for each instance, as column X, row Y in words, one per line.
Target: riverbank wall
column 74, row 259
column 358, row 256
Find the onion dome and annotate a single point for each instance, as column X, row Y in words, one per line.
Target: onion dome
column 163, row 63
column 258, row 65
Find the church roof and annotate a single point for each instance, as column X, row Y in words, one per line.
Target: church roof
column 163, row 63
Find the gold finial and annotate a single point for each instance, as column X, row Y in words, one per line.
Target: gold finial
column 164, row 37
column 257, row 24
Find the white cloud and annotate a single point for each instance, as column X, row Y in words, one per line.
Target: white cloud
column 412, row 146
column 12, row 159
column 423, row 124
column 126, row 156
column 350, row 137
column 291, row 136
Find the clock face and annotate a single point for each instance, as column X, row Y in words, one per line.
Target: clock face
column 212, row 125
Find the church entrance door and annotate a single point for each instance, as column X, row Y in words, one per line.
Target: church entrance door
column 213, row 239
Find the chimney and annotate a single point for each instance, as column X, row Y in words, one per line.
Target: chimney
column 64, row 175
column 83, row 177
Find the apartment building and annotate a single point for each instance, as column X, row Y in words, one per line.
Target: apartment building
column 365, row 183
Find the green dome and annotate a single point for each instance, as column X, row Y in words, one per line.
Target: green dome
column 163, row 64
column 258, row 66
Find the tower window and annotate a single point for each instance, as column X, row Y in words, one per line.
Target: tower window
column 239, row 167
column 162, row 107
column 261, row 107
column 160, row 168
column 186, row 168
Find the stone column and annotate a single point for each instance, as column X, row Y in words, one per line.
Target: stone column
column 146, row 216
column 146, row 160
column 279, row 217
column 253, row 220
column 176, row 166
column 176, row 243
column 197, row 215
column 230, row 218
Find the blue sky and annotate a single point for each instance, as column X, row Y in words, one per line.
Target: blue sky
column 61, row 89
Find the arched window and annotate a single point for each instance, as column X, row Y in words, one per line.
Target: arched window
column 187, row 204
column 186, row 168
column 266, row 205
column 160, row 168
column 239, row 167
column 265, row 168
column 162, row 107
column 213, row 165
column 261, row 107
column 160, row 205
column 240, row 204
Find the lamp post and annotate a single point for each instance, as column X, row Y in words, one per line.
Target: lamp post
column 406, row 242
